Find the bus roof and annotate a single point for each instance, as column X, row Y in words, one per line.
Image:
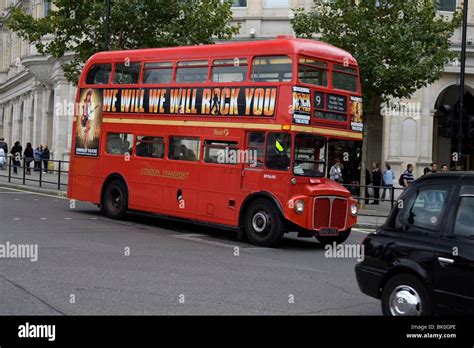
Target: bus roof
column 280, row 45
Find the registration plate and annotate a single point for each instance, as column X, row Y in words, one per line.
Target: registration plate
column 329, row 231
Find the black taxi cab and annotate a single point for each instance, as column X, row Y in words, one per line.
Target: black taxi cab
column 421, row 261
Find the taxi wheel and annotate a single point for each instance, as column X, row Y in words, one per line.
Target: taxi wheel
column 115, row 200
column 405, row 295
column 339, row 239
column 263, row 224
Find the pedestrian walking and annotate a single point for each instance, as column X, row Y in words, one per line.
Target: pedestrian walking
column 377, row 181
column 28, row 157
column 45, row 157
column 37, row 157
column 16, row 153
column 336, row 171
column 388, row 178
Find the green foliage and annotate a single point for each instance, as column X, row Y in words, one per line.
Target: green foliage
column 401, row 46
column 78, row 26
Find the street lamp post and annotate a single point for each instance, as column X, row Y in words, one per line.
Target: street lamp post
column 107, row 25
column 461, row 89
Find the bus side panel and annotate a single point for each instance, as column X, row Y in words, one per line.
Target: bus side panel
column 83, row 180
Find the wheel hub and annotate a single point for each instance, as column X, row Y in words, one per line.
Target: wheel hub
column 404, row 300
column 260, row 222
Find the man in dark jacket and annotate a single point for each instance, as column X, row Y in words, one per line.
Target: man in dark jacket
column 16, row 153
column 377, row 181
column 4, row 145
column 45, row 158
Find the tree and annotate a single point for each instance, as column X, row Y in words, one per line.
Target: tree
column 400, row 46
column 78, row 26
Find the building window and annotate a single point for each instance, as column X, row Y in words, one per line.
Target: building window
column 276, row 3
column 447, row 5
column 46, row 7
column 239, row 3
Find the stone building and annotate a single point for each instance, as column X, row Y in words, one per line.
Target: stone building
column 34, row 95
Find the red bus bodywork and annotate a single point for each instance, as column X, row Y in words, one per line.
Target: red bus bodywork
column 213, row 193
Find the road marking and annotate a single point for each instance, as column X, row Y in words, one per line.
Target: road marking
column 32, row 193
column 364, row 230
column 201, row 239
column 17, row 219
column 43, row 219
column 67, row 218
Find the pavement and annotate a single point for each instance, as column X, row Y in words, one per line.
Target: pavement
column 89, row 264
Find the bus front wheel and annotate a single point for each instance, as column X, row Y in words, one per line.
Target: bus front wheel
column 115, row 200
column 263, row 224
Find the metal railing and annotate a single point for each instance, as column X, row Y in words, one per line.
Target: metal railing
column 36, row 171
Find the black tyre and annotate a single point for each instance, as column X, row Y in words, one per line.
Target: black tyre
column 263, row 224
column 115, row 200
column 405, row 295
column 339, row 239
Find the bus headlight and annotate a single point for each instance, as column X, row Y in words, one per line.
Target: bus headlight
column 354, row 209
column 299, row 207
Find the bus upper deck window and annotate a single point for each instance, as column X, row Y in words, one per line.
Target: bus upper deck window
column 159, row 72
column 272, row 69
column 312, row 72
column 194, row 71
column 127, row 73
column 99, row 74
column 229, row 70
column 344, row 78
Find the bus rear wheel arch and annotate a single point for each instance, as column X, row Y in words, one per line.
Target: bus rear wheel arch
column 263, row 223
column 114, row 201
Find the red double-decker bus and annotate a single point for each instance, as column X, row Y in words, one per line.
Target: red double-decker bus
column 236, row 135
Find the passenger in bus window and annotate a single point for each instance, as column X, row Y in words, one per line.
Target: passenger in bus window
column 143, row 148
column 114, row 144
column 186, row 154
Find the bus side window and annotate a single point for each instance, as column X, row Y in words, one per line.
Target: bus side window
column 272, row 69
column 119, row 143
column 221, row 152
column 278, row 152
column 184, row 149
column 99, row 74
column 229, row 70
column 194, row 71
column 127, row 73
column 159, row 72
column 255, row 147
column 147, row 146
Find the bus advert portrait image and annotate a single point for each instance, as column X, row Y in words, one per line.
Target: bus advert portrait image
column 88, row 122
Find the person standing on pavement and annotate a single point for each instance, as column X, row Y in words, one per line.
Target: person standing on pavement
column 444, row 168
column 4, row 146
column 408, row 177
column 28, row 157
column 37, row 157
column 434, row 167
column 2, row 158
column 45, row 157
column 377, row 181
column 16, row 153
column 388, row 177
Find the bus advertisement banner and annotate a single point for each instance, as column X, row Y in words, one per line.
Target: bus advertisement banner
column 301, row 105
column 357, row 122
column 88, row 122
column 201, row 101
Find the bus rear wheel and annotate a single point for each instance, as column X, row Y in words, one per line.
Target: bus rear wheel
column 263, row 224
column 115, row 200
column 339, row 239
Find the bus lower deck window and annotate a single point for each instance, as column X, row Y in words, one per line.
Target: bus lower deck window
column 184, row 149
column 119, row 143
column 222, row 152
column 278, row 152
column 148, row 146
column 256, row 146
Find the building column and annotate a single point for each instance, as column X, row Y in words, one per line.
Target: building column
column 37, row 115
column 15, row 121
column 425, row 133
